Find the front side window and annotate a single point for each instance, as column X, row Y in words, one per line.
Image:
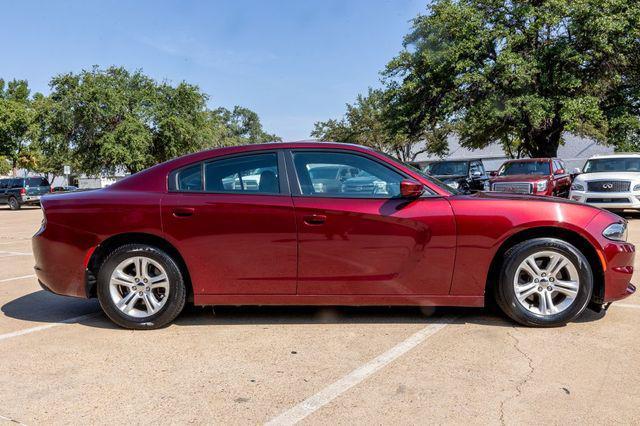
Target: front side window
column 355, row 176
column 248, row 173
column 524, row 168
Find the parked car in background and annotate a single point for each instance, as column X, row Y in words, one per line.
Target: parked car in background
column 17, row 192
column 463, row 175
column 538, row 176
column 175, row 233
column 609, row 181
column 68, row 188
column 329, row 178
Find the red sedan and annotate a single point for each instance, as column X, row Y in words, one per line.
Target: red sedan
column 323, row 224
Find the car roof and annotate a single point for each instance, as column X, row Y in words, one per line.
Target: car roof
column 616, row 155
column 514, row 160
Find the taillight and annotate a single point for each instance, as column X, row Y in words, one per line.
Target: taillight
column 23, row 191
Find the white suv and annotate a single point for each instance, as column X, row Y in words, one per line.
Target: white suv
column 609, row 181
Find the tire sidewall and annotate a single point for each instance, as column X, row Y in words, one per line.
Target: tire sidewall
column 177, row 293
column 516, row 255
column 14, row 204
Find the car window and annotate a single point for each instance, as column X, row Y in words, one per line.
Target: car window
column 189, row 178
column 4, row 183
column 600, row 165
column 37, row 181
column 448, row 168
column 17, row 183
column 524, row 168
column 365, row 178
column 256, row 173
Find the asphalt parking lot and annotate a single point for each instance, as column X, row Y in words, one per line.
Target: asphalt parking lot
column 63, row 362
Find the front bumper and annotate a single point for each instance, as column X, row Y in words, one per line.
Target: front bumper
column 607, row 200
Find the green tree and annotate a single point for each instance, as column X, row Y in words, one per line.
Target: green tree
column 18, row 127
column 239, row 126
column 5, row 166
column 522, row 73
column 366, row 122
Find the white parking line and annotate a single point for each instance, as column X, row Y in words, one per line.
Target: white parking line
column 626, row 305
column 13, row 253
column 328, row 394
column 47, row 326
column 24, row 277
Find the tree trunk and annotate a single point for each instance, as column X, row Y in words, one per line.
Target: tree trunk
column 544, row 143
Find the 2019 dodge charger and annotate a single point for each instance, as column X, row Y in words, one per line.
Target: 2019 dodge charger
column 178, row 232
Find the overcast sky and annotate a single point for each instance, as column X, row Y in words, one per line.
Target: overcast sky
column 293, row 62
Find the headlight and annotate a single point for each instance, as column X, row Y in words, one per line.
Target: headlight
column 487, row 185
column 541, row 185
column 616, row 232
column 636, row 187
column 453, row 184
column 577, row 187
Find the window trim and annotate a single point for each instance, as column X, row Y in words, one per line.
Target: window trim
column 296, row 190
column 282, row 176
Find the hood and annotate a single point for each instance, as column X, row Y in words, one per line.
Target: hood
column 448, row 178
column 588, row 177
column 519, row 178
column 523, row 197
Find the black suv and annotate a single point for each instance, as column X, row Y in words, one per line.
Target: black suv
column 17, row 192
column 463, row 175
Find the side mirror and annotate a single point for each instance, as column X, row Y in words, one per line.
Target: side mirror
column 576, row 171
column 559, row 172
column 476, row 174
column 493, row 174
column 410, row 188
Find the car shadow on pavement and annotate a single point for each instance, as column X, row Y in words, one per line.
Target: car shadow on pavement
column 45, row 307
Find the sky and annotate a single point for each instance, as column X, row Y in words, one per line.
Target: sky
column 293, row 62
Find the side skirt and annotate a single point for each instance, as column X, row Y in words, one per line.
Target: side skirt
column 337, row 300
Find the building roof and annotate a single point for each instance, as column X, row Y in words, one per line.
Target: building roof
column 574, row 148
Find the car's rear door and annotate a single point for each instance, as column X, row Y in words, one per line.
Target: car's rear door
column 232, row 220
column 368, row 240
column 4, row 186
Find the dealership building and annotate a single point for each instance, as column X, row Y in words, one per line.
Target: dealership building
column 575, row 152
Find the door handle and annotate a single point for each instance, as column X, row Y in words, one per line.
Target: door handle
column 315, row 219
column 183, row 211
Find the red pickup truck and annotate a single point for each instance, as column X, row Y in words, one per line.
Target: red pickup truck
column 539, row 176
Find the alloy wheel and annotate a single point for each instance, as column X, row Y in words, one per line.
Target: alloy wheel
column 139, row 286
column 546, row 283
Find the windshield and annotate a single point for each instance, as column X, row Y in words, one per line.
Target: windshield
column 612, row 165
column 448, row 168
column 524, row 168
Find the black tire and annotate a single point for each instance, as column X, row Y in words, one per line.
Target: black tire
column 177, row 291
column 14, row 204
column 505, row 294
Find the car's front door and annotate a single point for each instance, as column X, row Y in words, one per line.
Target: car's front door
column 363, row 238
column 232, row 220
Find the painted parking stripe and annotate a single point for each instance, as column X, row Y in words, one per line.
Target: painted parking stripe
column 13, row 253
column 24, row 277
column 627, row 305
column 334, row 390
column 47, row 326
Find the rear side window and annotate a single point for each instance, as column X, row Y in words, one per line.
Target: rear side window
column 188, row 179
column 248, row 173
column 4, row 183
column 17, row 183
column 37, row 181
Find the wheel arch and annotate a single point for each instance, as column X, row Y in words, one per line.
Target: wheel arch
column 571, row 237
column 107, row 246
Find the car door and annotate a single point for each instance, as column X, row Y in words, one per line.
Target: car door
column 562, row 180
column 232, row 220
column 366, row 239
column 4, row 185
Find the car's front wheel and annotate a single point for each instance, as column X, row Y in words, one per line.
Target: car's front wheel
column 544, row 282
column 141, row 287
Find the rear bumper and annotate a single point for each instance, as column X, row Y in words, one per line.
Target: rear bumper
column 60, row 253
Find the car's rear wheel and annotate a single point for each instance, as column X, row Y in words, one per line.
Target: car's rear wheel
column 141, row 287
column 14, row 204
column 544, row 282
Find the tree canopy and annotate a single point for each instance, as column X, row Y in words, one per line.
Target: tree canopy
column 519, row 73
column 102, row 120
